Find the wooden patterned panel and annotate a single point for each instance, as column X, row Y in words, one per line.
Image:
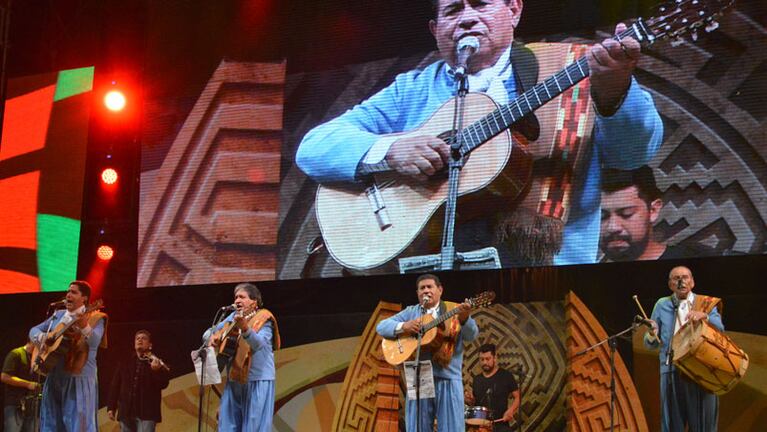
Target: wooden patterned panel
column 530, row 336
column 588, row 395
column 358, row 406
column 210, row 212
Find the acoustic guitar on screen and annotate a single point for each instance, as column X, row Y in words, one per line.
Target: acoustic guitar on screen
column 401, row 348
column 366, row 225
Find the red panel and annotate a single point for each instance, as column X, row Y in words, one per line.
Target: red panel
column 13, row 282
column 18, row 211
column 25, row 125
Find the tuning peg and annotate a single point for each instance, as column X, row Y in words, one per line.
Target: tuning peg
column 713, row 25
column 676, row 42
column 694, row 35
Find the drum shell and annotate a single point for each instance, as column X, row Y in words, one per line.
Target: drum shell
column 709, row 357
column 478, row 416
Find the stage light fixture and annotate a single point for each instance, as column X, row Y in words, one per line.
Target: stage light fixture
column 109, row 176
column 105, row 252
column 114, row 100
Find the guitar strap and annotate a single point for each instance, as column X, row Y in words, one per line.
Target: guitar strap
column 242, row 358
column 78, row 354
column 706, row 304
column 444, row 353
column 533, row 229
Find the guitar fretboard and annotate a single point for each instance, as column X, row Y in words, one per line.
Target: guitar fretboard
column 502, row 118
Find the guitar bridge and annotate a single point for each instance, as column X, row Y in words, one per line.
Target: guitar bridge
column 379, row 207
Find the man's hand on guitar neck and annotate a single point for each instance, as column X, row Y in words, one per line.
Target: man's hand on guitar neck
column 612, row 63
column 465, row 311
column 418, row 157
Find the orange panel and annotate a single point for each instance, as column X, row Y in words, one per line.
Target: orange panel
column 14, row 282
column 18, row 211
column 25, row 124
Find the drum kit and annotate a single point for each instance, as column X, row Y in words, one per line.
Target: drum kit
column 478, row 419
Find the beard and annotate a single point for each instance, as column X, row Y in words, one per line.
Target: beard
column 631, row 252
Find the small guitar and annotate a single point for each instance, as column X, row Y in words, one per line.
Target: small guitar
column 57, row 343
column 401, row 348
column 229, row 337
column 366, row 225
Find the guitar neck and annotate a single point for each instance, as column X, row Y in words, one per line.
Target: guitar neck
column 505, row 116
column 440, row 319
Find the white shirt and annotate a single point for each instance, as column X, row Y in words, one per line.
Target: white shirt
column 683, row 312
column 489, row 81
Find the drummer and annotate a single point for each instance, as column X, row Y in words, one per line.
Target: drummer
column 684, row 404
column 492, row 389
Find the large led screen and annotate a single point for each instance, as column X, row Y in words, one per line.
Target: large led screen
column 42, row 165
column 313, row 142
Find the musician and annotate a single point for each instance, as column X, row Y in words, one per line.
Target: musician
column 20, row 385
column 248, row 400
column 70, row 392
column 492, row 389
column 631, row 204
column 684, row 404
column 136, row 389
column 447, row 361
column 628, row 129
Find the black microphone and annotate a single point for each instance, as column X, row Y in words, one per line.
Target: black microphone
column 466, row 47
column 230, row 307
column 645, row 322
column 679, row 284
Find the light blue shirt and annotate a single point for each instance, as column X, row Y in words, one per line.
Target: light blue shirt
column 262, row 354
column 469, row 331
column 93, row 340
column 663, row 315
column 626, row 140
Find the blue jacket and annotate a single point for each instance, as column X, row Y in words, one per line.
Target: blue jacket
column 94, row 340
column 262, row 354
column 469, row 332
column 663, row 315
column 628, row 139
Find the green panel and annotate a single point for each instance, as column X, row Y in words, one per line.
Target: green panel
column 58, row 241
column 73, row 82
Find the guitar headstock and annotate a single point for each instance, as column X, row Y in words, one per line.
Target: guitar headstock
column 676, row 18
column 98, row 304
column 483, row 299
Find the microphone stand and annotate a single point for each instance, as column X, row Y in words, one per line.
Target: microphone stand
column 670, row 361
column 419, row 336
column 612, row 342
column 203, row 355
column 485, row 258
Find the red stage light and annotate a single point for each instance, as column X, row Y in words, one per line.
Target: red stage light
column 105, row 252
column 114, row 100
column 109, row 176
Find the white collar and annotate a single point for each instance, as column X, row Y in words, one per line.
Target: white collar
column 81, row 309
column 497, row 69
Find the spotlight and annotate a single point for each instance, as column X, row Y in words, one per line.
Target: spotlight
column 109, row 176
column 105, row 252
column 114, row 100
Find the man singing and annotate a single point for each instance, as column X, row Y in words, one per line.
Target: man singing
column 627, row 132
column 248, row 401
column 136, row 390
column 447, row 361
column 70, row 393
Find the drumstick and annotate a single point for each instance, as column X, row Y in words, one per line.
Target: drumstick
column 644, row 315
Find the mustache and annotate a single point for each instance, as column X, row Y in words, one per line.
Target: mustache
column 612, row 237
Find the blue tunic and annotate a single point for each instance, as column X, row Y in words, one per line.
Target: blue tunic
column 626, row 140
column 682, row 401
column 250, row 406
column 447, row 407
column 70, row 400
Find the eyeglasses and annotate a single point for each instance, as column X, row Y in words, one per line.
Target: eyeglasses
column 680, row 277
